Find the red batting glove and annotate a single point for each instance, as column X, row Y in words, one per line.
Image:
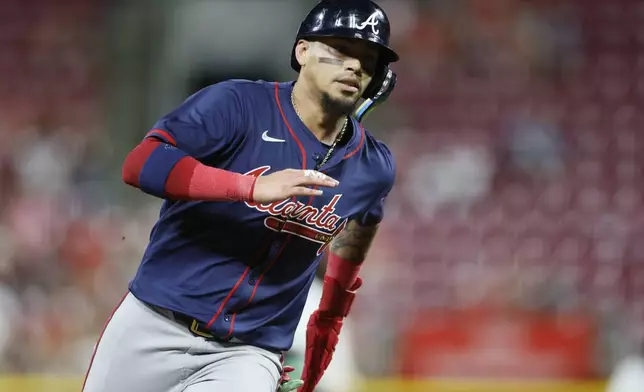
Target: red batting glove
column 323, row 330
column 321, row 338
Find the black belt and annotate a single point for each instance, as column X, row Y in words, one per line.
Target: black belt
column 193, row 325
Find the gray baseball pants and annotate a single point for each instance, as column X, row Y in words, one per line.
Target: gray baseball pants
column 142, row 350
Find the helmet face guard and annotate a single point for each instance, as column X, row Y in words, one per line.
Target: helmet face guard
column 354, row 19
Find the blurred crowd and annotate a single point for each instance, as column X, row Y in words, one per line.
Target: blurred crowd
column 518, row 202
column 66, row 251
column 515, row 128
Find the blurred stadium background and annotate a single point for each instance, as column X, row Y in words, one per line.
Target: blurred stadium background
column 512, row 254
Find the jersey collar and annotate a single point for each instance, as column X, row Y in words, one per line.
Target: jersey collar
column 307, row 139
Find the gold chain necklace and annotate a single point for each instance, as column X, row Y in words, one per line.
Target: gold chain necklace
column 335, row 142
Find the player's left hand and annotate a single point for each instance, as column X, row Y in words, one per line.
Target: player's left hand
column 286, row 384
column 321, row 338
column 322, row 335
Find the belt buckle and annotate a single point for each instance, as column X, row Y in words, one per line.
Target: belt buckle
column 195, row 328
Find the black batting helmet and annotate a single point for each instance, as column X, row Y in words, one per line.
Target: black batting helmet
column 357, row 19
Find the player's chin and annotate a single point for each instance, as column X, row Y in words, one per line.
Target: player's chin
column 347, row 96
column 342, row 101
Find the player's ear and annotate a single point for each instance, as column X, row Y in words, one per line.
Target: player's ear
column 302, row 49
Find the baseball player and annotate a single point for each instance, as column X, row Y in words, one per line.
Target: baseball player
column 259, row 181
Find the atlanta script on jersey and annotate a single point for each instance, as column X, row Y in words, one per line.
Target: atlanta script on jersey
column 243, row 270
column 319, row 225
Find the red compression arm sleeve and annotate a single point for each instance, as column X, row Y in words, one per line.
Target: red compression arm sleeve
column 342, row 270
column 188, row 179
column 340, row 283
column 193, row 180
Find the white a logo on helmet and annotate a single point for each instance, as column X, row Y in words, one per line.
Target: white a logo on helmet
column 372, row 21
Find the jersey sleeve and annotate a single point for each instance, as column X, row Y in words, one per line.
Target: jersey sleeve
column 375, row 213
column 206, row 124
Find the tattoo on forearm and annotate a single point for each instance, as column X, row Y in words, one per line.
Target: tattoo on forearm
column 354, row 242
column 329, row 60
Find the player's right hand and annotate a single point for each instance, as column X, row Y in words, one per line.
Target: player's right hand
column 290, row 182
column 285, row 383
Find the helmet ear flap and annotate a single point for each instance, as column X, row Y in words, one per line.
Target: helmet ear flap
column 379, row 90
column 381, row 85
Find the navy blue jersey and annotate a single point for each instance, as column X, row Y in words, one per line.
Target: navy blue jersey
column 244, row 269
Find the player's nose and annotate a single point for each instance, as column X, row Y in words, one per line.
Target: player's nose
column 353, row 65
